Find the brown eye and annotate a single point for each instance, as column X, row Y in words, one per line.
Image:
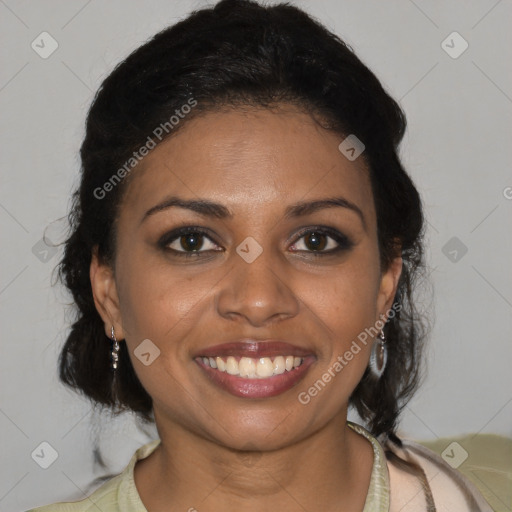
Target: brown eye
column 192, row 241
column 188, row 241
column 315, row 241
column 321, row 241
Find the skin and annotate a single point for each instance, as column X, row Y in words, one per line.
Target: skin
column 255, row 163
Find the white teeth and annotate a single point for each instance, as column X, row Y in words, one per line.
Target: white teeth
column 247, row 367
column 250, row 368
column 232, row 366
column 264, row 368
column 221, row 365
column 279, row 366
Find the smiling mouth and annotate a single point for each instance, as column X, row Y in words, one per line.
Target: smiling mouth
column 253, row 368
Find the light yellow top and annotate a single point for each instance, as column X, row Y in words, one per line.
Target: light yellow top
column 390, row 489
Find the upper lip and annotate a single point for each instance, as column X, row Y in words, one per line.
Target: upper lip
column 248, row 347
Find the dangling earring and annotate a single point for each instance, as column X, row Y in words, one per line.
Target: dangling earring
column 115, row 349
column 379, row 356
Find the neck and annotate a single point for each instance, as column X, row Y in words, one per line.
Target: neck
column 329, row 470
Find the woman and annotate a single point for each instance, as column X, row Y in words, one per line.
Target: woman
column 244, row 247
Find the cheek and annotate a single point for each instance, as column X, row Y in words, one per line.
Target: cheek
column 159, row 305
column 161, row 301
column 345, row 298
column 345, row 301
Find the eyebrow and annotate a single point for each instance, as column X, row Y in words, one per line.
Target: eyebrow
column 201, row 206
column 210, row 209
column 308, row 207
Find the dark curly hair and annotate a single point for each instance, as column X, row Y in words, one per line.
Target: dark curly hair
column 234, row 54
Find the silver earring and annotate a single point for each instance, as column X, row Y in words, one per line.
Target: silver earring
column 379, row 356
column 115, row 349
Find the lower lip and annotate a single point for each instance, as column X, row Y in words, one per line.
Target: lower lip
column 257, row 388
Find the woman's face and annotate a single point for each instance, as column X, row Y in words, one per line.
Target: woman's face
column 261, row 263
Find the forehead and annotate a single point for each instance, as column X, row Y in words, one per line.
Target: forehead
column 248, row 158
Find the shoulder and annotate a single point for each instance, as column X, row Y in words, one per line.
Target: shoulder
column 104, row 498
column 118, row 494
column 450, row 489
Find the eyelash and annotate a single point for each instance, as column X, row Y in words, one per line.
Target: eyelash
column 344, row 243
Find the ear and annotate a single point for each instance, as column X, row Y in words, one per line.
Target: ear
column 388, row 286
column 105, row 296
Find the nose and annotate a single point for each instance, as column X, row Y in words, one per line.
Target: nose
column 259, row 292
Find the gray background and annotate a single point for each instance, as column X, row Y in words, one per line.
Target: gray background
column 457, row 150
